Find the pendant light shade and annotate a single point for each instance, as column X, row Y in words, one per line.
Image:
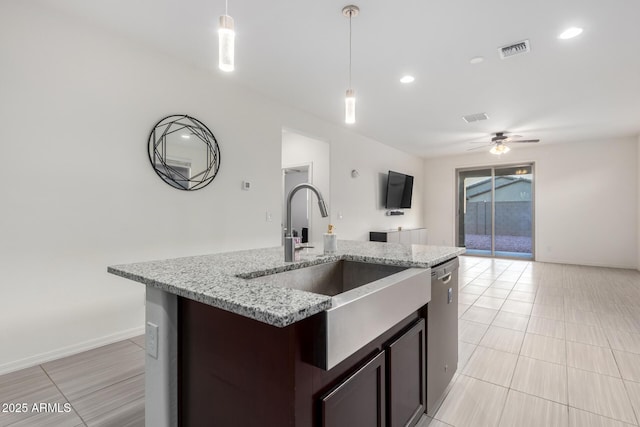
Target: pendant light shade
column 226, row 41
column 350, row 99
column 350, row 107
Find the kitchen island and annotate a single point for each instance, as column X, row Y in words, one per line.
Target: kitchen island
column 225, row 347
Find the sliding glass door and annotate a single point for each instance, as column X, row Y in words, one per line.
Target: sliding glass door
column 475, row 207
column 495, row 211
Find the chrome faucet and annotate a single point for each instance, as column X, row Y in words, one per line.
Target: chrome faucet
column 289, row 246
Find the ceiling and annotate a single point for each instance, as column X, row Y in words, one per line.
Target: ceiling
column 296, row 51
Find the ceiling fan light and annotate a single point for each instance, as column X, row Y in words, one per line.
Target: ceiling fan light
column 226, row 41
column 499, row 149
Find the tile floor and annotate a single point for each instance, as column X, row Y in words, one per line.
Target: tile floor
column 545, row 345
column 101, row 387
column 539, row 345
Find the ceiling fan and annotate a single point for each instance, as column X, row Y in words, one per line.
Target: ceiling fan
column 500, row 138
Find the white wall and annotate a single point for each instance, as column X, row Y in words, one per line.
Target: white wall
column 586, row 199
column 78, row 192
column 360, row 201
column 357, row 204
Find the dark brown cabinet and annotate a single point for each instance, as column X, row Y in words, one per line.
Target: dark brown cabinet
column 359, row 400
column 233, row 370
column 363, row 399
column 406, row 380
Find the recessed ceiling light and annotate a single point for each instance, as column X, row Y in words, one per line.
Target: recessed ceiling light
column 476, row 60
column 407, row 79
column 570, row 33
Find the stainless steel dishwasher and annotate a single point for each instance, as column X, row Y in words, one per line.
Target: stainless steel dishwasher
column 442, row 331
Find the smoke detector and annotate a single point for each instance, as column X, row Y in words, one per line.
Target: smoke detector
column 514, row 49
column 475, row 117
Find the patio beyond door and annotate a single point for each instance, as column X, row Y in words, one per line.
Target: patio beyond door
column 495, row 211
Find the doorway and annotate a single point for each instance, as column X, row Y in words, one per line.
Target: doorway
column 300, row 206
column 495, row 211
column 304, row 154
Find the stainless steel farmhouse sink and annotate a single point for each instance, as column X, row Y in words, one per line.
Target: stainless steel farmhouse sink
column 367, row 300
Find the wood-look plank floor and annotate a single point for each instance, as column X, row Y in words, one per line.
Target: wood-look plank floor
column 540, row 345
column 99, row 387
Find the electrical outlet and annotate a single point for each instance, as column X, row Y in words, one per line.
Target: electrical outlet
column 152, row 340
column 340, row 215
column 268, row 216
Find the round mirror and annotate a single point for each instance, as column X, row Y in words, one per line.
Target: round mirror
column 184, row 152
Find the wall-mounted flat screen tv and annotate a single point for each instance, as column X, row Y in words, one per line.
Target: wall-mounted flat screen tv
column 399, row 191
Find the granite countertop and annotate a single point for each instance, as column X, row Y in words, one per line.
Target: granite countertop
column 220, row 280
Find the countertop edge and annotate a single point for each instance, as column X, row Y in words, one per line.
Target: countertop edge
column 252, row 312
column 265, row 303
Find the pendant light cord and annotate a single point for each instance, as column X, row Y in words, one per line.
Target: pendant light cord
column 350, row 14
column 226, row 7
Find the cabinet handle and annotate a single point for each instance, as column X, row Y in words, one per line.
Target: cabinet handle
column 446, row 278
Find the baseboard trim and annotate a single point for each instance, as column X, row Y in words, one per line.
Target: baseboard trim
column 69, row 350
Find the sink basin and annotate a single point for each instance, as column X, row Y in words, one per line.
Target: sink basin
column 366, row 300
column 332, row 278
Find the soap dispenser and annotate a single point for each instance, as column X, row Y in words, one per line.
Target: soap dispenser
column 330, row 241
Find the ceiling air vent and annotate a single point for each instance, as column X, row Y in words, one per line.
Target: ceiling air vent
column 514, row 49
column 475, row 117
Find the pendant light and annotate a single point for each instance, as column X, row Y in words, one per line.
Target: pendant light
column 226, row 41
column 350, row 99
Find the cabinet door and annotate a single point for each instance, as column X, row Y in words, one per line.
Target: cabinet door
column 359, row 401
column 406, row 237
column 393, row 237
column 422, row 236
column 406, row 377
